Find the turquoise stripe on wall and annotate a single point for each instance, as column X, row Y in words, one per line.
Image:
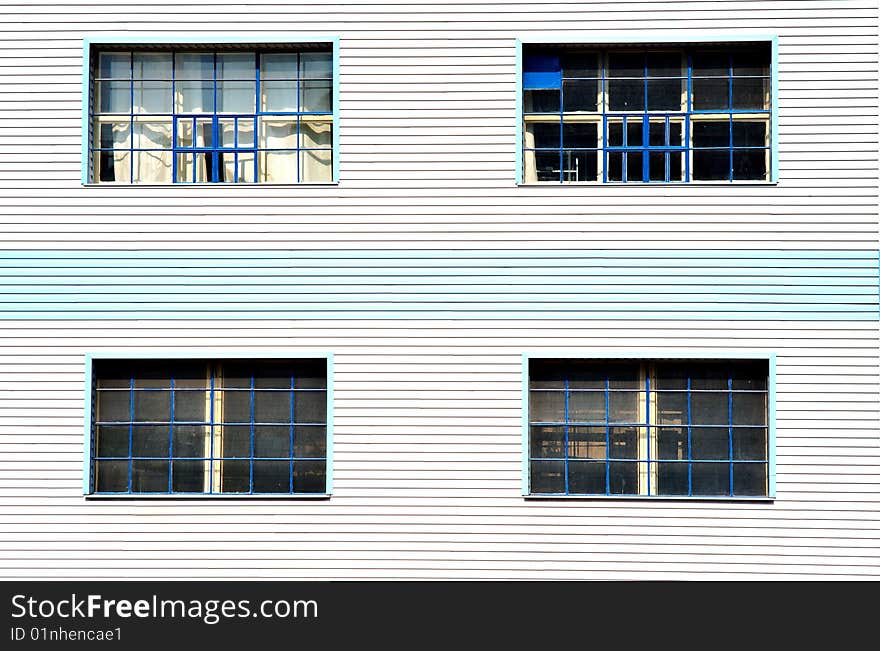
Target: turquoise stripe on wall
column 633, row 284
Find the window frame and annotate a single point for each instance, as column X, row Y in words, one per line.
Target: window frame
column 93, row 44
column 656, row 41
column 652, row 356
column 88, row 450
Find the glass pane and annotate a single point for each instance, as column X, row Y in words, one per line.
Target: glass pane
column 672, row 479
column 150, row 65
column 227, row 167
column 626, row 64
column 278, row 167
column 624, row 443
column 755, row 61
column 114, row 64
column 310, row 406
column 278, row 66
column 316, row 96
column 547, row 441
column 584, row 478
column 547, row 477
column 672, row 442
column 543, row 135
column 580, row 64
column 547, row 374
column 309, row 476
column 236, row 66
column 235, row 440
column 111, row 440
column 586, row 407
column 315, row 134
column 315, row 166
column 710, row 94
column 634, row 170
column 310, row 441
column 623, row 406
column 580, row 166
column 192, row 441
column 235, row 476
column 111, row 135
column 751, row 93
column 664, row 95
column 113, row 97
column 710, row 479
column 709, row 408
column 150, row 440
column 152, row 406
column 750, row 375
column 657, row 166
column 152, row 97
column 664, row 64
column 614, row 166
column 204, row 167
column 191, row 406
column 749, row 479
column 750, row 443
column 657, row 133
column 278, row 133
column 541, row 101
column 623, row 478
column 711, row 64
column 749, row 134
column 151, row 167
column 676, row 167
column 279, row 96
column 111, row 476
column 579, row 135
column 546, row 406
column 710, row 443
column 271, row 476
column 184, row 132
column 185, row 168
column 113, row 166
column 580, row 95
column 709, row 375
column 195, row 96
column 670, row 375
column 634, row 132
column 245, row 171
column 149, row 476
column 626, row 94
column 271, row 407
column 671, row 407
column 245, row 132
column 236, row 96
column 271, row 441
column 547, row 165
column 152, row 133
column 711, row 165
column 193, row 66
column 315, row 65
column 236, row 406
column 226, row 129
column 749, row 409
column 749, row 164
column 586, row 442
column 113, row 406
column 188, row 476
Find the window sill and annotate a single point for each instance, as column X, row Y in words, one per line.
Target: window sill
column 654, row 498
column 194, row 496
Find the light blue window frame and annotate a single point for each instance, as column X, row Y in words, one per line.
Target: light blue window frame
column 641, row 356
column 664, row 39
column 88, row 446
column 95, row 43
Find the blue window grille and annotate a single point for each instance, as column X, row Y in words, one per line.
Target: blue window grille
column 209, row 427
column 664, row 428
column 665, row 115
column 193, row 116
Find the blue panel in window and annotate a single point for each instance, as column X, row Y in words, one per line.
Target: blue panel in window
column 542, row 71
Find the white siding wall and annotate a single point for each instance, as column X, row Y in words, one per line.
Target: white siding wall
column 427, row 455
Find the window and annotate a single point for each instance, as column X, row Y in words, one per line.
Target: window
column 209, row 427
column 211, row 116
column 663, row 114
column 661, row 428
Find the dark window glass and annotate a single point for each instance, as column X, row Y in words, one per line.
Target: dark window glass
column 586, row 406
column 672, row 478
column 111, row 476
column 188, row 476
column 547, row 441
column 309, row 441
column 749, row 443
column 586, row 477
column 711, row 165
column 587, row 442
column 580, row 64
column 664, row 95
column 273, row 477
column 113, row 406
column 541, row 101
column 710, row 478
column 626, row 94
column 623, row 478
column 749, row 479
column 149, row 476
column 580, row 165
column 580, row 95
column 634, row 166
column 112, row 440
column 580, row 135
column 547, row 164
column 710, row 443
column 548, row 477
column 309, row 476
column 626, row 64
column 546, row 135
column 749, row 164
column 749, row 93
column 749, row 134
column 712, row 134
column 710, row 94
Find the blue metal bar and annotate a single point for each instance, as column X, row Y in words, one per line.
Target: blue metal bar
column 251, row 464
column 648, row 423
column 730, row 424
column 211, row 430
column 171, row 438
column 292, row 421
column 730, row 107
column 130, row 429
column 607, row 434
column 689, row 465
column 130, row 117
column 565, row 431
